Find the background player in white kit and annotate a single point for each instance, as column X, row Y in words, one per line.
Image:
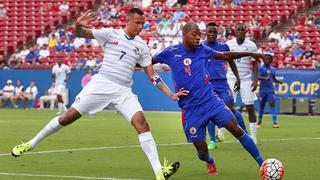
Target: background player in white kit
column 248, row 85
column 61, row 74
column 111, row 87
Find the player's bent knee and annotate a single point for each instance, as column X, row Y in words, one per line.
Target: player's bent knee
column 139, row 122
column 69, row 117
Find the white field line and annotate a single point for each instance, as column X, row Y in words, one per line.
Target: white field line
column 159, row 145
column 61, row 177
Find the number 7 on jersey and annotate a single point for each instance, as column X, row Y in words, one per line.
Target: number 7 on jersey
column 123, row 53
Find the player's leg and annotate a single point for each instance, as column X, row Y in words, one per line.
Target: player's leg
column 203, row 155
column 85, row 102
column 227, row 97
column 263, row 100
column 52, row 100
column 272, row 104
column 245, row 140
column 53, row 126
column 60, row 90
column 13, row 100
column 248, row 97
column 131, row 109
column 212, row 134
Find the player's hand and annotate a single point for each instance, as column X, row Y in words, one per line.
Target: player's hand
column 236, row 87
column 254, row 85
column 86, row 18
column 182, row 92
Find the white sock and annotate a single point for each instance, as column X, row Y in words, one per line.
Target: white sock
column 52, row 127
column 221, row 132
column 150, row 149
column 253, row 129
column 60, row 107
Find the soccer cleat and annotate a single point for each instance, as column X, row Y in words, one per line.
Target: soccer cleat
column 212, row 145
column 220, row 139
column 167, row 171
column 212, row 169
column 276, row 126
column 20, row 149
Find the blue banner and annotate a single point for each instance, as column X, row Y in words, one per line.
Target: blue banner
column 298, row 84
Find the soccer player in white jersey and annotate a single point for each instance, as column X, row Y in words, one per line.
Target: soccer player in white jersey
column 248, row 83
column 111, row 87
column 61, row 74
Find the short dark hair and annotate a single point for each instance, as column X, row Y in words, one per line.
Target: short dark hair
column 212, row 24
column 189, row 26
column 135, row 11
column 241, row 24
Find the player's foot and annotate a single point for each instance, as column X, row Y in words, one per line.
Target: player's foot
column 276, row 126
column 259, row 125
column 212, row 145
column 212, row 169
column 220, row 139
column 167, row 171
column 20, row 149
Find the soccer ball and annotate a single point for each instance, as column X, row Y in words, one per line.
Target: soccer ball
column 271, row 169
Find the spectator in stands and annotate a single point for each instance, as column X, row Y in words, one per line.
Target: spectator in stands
column 17, row 94
column 33, row 55
column 170, row 3
column 115, row 14
column 44, row 52
column 52, row 41
column 70, row 46
column 146, row 25
column 268, row 50
column 50, row 96
column 288, row 59
column 69, row 60
column 79, row 42
column 3, row 11
column 157, row 8
column 80, row 62
column 3, row 63
column 13, row 61
column 42, row 40
column 8, row 92
column 297, row 51
column 178, row 14
column 164, row 21
column 202, row 25
column 61, row 46
column 317, row 21
column 86, row 78
column 91, row 63
column 25, row 51
column 308, row 53
column 266, row 22
column 293, row 35
column 29, row 94
column 275, row 35
column 170, row 33
column 64, row 7
column 154, row 49
column 284, row 42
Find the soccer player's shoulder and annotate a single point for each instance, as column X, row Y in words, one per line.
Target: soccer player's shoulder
column 250, row 43
column 231, row 41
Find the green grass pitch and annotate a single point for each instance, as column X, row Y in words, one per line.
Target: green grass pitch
column 106, row 146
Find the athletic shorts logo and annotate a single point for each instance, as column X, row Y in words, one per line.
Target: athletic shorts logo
column 193, row 130
column 77, row 99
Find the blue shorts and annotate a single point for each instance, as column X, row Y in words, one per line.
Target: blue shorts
column 221, row 87
column 266, row 96
column 196, row 118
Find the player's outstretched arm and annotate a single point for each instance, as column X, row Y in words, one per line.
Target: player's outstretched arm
column 230, row 56
column 82, row 25
column 235, row 71
column 157, row 81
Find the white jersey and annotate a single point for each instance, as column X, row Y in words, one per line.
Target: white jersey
column 9, row 89
column 32, row 90
column 243, row 64
column 18, row 90
column 60, row 73
column 121, row 54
